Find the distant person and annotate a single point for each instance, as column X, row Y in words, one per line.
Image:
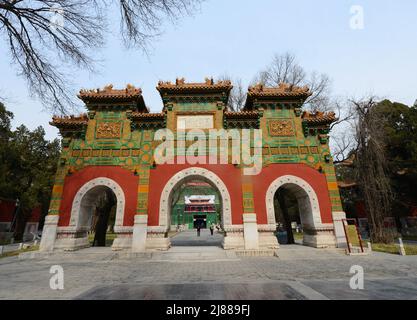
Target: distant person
column 198, row 230
column 212, row 228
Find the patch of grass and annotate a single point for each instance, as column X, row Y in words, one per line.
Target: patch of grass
column 394, row 248
column 109, row 236
column 17, row 252
column 298, row 235
column 173, row 233
column 412, row 238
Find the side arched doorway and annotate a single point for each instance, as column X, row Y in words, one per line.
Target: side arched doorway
column 292, row 201
column 97, row 206
column 101, row 203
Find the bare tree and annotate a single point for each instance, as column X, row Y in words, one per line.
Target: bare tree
column 237, row 97
column 285, row 68
column 343, row 146
column 45, row 36
column 342, row 131
column 371, row 170
column 142, row 19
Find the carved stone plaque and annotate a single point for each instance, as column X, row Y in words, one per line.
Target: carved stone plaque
column 281, row 128
column 108, row 130
column 195, row 122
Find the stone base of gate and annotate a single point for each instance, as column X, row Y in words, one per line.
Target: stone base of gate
column 69, row 239
column 338, row 217
column 320, row 237
column 122, row 242
column 140, row 233
column 72, row 244
column 157, row 239
column 123, row 239
column 49, row 233
column 267, row 238
column 250, row 231
column 233, row 238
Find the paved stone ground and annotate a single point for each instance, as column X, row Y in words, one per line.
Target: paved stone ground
column 298, row 273
column 190, row 238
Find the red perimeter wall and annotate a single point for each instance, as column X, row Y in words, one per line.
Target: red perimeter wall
column 8, row 207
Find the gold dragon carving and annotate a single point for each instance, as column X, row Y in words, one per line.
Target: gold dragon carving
column 281, row 128
column 108, row 130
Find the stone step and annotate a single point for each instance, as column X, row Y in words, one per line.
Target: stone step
column 176, row 254
column 257, row 253
column 194, row 254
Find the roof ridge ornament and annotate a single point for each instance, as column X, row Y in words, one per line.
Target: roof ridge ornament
column 282, row 88
column 209, row 81
column 108, row 88
column 109, row 97
column 318, row 117
column 179, row 81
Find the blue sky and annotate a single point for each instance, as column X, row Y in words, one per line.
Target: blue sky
column 239, row 37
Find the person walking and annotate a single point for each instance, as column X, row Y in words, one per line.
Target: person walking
column 212, row 228
column 198, row 230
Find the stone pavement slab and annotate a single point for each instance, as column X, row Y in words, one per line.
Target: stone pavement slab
column 190, row 238
column 195, row 291
column 383, row 289
column 297, row 273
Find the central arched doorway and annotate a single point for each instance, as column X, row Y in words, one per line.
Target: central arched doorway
column 196, row 214
column 172, row 193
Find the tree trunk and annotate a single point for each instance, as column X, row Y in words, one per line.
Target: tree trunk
column 372, row 169
column 101, row 228
column 281, row 194
column 103, row 219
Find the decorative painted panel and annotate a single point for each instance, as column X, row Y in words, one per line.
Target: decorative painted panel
column 108, row 130
column 281, row 128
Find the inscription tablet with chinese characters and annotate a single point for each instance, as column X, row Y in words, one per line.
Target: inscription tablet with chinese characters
column 195, row 122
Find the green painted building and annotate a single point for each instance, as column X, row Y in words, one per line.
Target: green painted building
column 196, row 203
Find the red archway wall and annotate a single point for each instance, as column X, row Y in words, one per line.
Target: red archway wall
column 316, row 179
column 229, row 174
column 159, row 177
column 125, row 178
